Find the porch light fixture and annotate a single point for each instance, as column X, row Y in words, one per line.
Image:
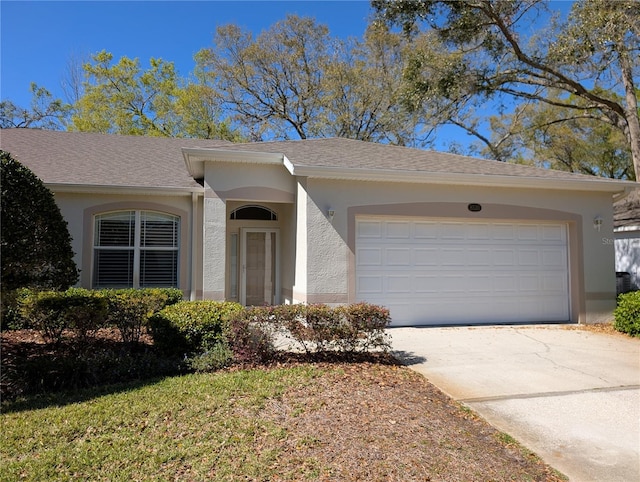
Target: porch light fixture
column 330, row 214
column 597, row 223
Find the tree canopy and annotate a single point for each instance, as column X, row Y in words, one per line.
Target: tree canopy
column 472, row 55
column 296, row 81
column 45, row 112
column 122, row 98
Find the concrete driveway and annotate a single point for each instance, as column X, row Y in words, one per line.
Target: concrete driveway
column 570, row 396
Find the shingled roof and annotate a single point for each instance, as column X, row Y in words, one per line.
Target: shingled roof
column 90, row 159
column 626, row 212
column 353, row 154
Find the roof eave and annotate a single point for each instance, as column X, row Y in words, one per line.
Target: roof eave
column 111, row 189
column 595, row 184
column 195, row 158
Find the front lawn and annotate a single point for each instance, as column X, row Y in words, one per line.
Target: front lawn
column 296, row 421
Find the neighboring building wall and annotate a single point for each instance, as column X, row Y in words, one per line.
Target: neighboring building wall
column 627, row 246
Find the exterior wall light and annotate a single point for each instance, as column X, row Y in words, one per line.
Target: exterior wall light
column 597, row 223
column 330, row 214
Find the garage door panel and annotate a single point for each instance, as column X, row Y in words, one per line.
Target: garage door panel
column 398, row 230
column 554, row 257
column 504, row 257
column 370, row 285
column 425, row 230
column 398, row 257
column 399, row 284
column 431, row 272
column 369, row 229
column 425, row 256
column 369, row 257
column 479, row 257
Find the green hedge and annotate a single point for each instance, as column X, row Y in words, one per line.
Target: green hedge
column 627, row 314
column 130, row 309
column 53, row 312
column 83, row 312
column 191, row 327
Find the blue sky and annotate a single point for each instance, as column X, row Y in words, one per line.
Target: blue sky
column 39, row 37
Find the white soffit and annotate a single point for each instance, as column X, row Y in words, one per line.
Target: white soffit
column 196, row 157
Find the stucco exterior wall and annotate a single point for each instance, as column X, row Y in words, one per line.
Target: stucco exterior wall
column 79, row 209
column 245, row 181
column 230, row 185
column 593, row 294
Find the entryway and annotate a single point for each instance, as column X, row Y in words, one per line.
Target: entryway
column 259, row 276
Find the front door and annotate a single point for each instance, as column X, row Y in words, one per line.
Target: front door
column 259, row 274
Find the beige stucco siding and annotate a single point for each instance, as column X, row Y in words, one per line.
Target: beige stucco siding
column 592, row 277
column 246, row 181
column 231, row 185
column 79, row 211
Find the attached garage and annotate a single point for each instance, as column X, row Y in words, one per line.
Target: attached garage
column 448, row 272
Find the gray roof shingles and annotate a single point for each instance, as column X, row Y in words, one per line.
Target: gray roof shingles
column 136, row 161
column 626, row 212
column 349, row 153
column 101, row 159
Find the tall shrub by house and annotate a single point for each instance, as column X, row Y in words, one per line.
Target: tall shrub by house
column 36, row 244
column 35, row 248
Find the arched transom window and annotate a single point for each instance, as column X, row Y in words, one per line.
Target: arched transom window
column 136, row 249
column 254, row 212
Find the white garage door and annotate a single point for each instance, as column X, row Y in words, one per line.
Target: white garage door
column 432, row 272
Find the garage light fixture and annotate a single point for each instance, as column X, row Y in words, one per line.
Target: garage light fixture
column 597, row 223
column 474, row 207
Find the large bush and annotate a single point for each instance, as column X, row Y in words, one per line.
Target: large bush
column 627, row 314
column 36, row 245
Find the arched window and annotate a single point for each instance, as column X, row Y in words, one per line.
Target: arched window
column 257, row 213
column 136, row 249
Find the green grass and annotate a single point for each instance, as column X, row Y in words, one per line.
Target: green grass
column 195, row 427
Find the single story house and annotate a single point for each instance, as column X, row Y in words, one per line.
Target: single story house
column 626, row 221
column 437, row 238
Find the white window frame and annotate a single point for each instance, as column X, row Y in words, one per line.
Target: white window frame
column 137, row 248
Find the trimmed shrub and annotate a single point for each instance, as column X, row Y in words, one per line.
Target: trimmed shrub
column 191, row 327
column 321, row 328
column 12, row 316
column 130, row 309
column 219, row 356
column 250, row 341
column 52, row 312
column 627, row 314
column 365, row 326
